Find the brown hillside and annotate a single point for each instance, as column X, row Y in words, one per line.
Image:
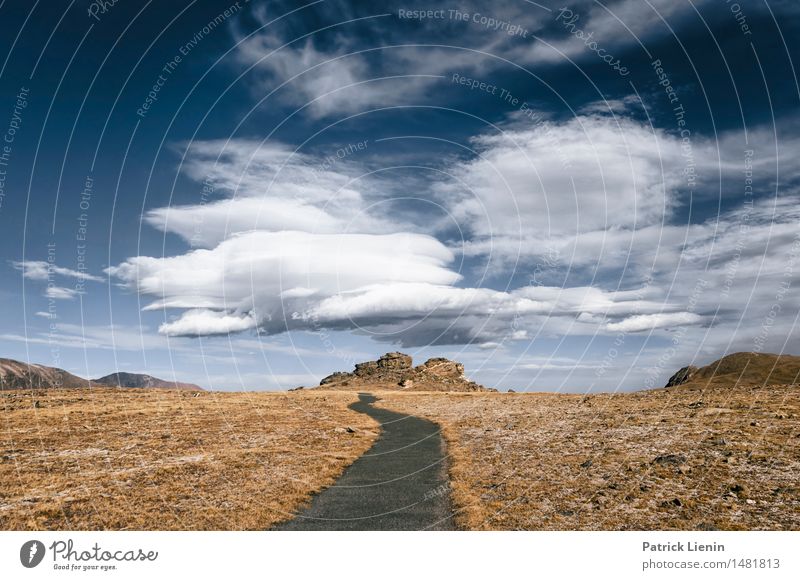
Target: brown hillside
column 139, row 381
column 19, row 375
column 741, row 368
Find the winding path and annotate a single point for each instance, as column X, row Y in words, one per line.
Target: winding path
column 399, row 484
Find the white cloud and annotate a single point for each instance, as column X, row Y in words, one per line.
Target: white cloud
column 613, row 26
column 337, row 82
column 642, row 322
column 60, row 293
column 248, row 275
column 619, row 106
column 594, row 199
column 538, row 184
column 270, row 187
column 202, row 322
column 41, row 270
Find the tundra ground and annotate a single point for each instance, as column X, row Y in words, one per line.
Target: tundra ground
column 725, row 458
column 123, row 459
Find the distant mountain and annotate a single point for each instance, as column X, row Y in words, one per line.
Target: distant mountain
column 138, row 381
column 19, row 375
column 742, row 368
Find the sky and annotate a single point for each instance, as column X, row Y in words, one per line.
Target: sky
column 575, row 196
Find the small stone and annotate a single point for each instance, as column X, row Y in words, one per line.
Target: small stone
column 750, row 501
column 586, row 464
column 707, row 527
column 675, row 502
column 737, row 489
column 669, row 459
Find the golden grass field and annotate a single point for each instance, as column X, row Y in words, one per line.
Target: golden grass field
column 683, row 459
column 679, row 458
column 88, row 459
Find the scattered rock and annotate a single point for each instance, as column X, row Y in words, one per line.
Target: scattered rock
column 675, row 502
column 586, row 464
column 737, row 489
column 670, row 459
column 706, row 527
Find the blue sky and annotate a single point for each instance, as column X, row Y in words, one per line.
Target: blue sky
column 579, row 196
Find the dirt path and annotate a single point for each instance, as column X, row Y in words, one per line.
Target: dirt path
column 399, row 484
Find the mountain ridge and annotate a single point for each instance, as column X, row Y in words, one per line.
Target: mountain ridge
column 143, row 381
column 16, row 375
column 740, row 368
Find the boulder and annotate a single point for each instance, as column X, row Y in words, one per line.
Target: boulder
column 682, row 376
column 394, row 361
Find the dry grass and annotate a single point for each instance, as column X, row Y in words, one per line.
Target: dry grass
column 133, row 459
column 727, row 458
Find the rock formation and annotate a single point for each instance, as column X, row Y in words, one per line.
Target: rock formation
column 395, row 371
column 682, row 376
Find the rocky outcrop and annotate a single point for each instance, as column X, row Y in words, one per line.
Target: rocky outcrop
column 395, row 371
column 389, row 365
column 682, row 376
